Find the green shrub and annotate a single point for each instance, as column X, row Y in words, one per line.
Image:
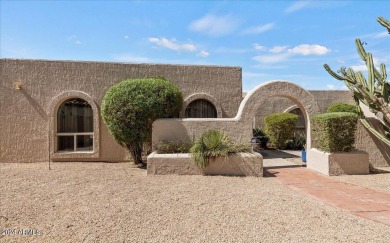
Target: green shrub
column 297, row 142
column 173, row 147
column 263, row 138
column 342, row 107
column 130, row 107
column 212, row 144
column 279, row 127
column 335, row 132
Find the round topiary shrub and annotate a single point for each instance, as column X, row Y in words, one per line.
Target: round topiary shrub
column 130, row 107
column 342, row 107
column 279, row 128
column 335, row 132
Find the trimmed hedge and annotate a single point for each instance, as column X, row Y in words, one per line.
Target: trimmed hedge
column 279, row 128
column 335, row 132
column 342, row 107
column 130, row 107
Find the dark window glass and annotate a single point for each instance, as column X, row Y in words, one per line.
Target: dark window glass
column 75, row 115
column 201, row 109
column 65, row 143
column 84, row 142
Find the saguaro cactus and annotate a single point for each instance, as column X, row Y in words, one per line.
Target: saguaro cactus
column 374, row 91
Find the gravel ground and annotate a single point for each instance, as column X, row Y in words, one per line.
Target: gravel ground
column 102, row 202
column 379, row 181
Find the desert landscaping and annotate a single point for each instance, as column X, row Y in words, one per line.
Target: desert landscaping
column 115, row 202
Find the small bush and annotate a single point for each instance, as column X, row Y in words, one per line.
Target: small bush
column 130, row 107
column 335, row 132
column 297, row 142
column 263, row 138
column 173, row 147
column 212, row 144
column 279, row 127
column 342, row 107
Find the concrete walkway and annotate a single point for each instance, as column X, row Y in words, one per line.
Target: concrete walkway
column 361, row 201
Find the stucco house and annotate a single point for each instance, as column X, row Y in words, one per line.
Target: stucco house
column 49, row 110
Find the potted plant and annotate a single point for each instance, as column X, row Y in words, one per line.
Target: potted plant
column 334, row 152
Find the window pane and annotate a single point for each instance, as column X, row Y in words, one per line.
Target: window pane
column 65, row 143
column 201, row 109
column 84, row 142
column 75, row 115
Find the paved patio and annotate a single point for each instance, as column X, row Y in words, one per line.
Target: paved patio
column 361, row 201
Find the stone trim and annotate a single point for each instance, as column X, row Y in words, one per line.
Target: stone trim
column 203, row 96
column 53, row 108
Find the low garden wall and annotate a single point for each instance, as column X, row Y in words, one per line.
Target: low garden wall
column 241, row 164
column 333, row 164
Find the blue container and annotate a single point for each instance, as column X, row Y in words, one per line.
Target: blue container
column 304, row 156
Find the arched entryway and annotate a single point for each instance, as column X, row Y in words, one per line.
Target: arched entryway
column 240, row 127
column 284, row 89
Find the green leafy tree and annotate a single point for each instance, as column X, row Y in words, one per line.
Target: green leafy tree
column 130, row 107
column 373, row 91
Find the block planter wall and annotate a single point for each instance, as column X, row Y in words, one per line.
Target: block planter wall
column 242, row 164
column 333, row 164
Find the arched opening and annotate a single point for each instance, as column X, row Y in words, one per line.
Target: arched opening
column 300, row 127
column 200, row 108
column 74, row 126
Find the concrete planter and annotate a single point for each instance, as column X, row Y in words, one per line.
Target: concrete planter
column 333, row 164
column 242, row 164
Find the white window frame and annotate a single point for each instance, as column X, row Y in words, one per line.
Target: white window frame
column 74, row 134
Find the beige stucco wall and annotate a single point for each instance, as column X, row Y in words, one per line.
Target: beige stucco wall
column 240, row 127
column 379, row 152
column 24, row 114
column 324, row 98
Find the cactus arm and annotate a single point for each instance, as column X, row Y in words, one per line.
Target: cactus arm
column 360, row 49
column 338, row 77
column 385, row 23
column 375, row 132
column 373, row 91
column 371, row 74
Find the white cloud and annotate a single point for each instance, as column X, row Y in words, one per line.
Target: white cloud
column 271, row 58
column 335, row 87
column 203, row 53
column 297, row 6
column 74, row 40
column 259, row 29
column 278, row 49
column 258, row 47
column 358, row 68
column 215, row 25
column 382, row 34
column 253, row 75
column 306, row 49
column 232, row 50
column 281, row 53
column 173, row 44
column 126, row 37
column 331, row 86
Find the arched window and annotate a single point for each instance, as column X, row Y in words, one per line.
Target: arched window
column 74, row 126
column 201, row 108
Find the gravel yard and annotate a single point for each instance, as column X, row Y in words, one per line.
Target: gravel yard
column 103, row 202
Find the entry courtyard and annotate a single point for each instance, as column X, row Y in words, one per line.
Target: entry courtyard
column 116, row 202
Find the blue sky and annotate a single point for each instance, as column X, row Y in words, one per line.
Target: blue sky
column 270, row 40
